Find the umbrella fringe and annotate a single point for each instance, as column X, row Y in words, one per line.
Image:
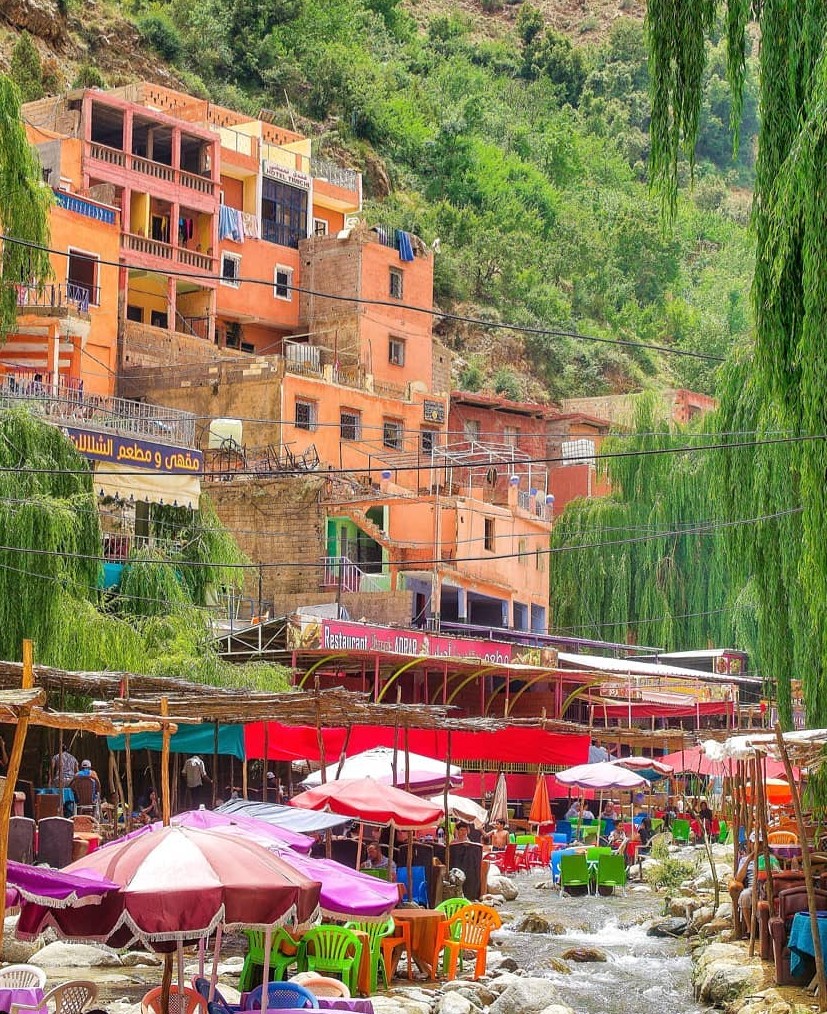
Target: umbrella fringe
column 70, row 901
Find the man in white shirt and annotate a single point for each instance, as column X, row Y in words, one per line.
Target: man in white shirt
column 195, row 772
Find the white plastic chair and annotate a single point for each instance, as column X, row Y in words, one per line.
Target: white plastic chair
column 69, row 998
column 22, row 977
column 322, row 985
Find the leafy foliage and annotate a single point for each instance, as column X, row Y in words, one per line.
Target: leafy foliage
column 26, row 69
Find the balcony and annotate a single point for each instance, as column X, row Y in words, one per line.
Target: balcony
column 342, row 572
column 324, row 169
column 168, row 252
column 63, row 402
column 147, row 167
column 80, row 206
column 69, row 298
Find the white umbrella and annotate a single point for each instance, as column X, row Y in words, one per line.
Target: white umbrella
column 464, row 809
column 424, row 773
column 499, row 804
column 601, row 776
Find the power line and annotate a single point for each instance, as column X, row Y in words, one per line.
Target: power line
column 397, row 305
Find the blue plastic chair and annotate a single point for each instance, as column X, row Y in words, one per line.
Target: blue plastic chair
column 555, row 861
column 564, row 827
column 560, row 839
column 284, row 995
column 202, row 987
column 420, row 886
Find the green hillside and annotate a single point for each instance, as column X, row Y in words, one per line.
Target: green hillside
column 523, row 151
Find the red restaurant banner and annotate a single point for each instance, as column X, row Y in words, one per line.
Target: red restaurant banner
column 514, row 744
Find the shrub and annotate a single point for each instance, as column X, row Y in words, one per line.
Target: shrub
column 529, row 23
column 471, row 378
column 88, row 76
column 160, row 33
column 507, row 384
column 669, row 871
column 26, row 70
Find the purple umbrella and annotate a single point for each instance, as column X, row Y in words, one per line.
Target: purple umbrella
column 267, row 835
column 346, row 892
column 40, row 885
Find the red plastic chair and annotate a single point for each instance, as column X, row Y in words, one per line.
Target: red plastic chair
column 507, row 861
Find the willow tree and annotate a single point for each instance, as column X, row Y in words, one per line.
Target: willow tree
column 782, row 384
column 24, row 208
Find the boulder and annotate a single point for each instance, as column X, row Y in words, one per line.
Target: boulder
column 134, row 958
column 65, row 955
column 724, row 910
column 724, row 983
column 714, row 927
column 700, row 918
column 769, row 1001
column 557, row 1008
column 584, row 954
column 498, row 884
column 674, row 927
column 500, row 981
column 534, row 922
column 492, row 900
column 530, row 995
column 559, row 966
column 507, row 965
column 682, row 907
column 16, row 951
column 454, row 1003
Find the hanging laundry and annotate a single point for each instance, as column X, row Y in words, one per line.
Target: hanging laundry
column 239, row 226
column 250, row 223
column 404, row 246
column 227, row 222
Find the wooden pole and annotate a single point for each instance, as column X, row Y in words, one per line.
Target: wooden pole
column 762, row 824
column 130, row 798
column 343, row 754
column 359, row 845
column 396, row 733
column 151, row 770
column 244, row 778
column 808, row 869
column 756, row 848
column 12, row 772
column 410, row 867
column 165, row 800
column 408, row 762
column 166, row 980
column 264, row 762
column 445, row 805
column 214, row 764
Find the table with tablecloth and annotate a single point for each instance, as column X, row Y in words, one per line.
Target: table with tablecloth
column 800, row 941
column 356, row 1005
column 424, row 928
column 787, row 854
column 18, row 994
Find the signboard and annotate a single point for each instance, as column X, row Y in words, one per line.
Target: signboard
column 339, row 635
column 433, row 411
column 292, row 177
column 658, row 688
column 161, row 458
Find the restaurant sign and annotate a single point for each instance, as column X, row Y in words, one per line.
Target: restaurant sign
column 162, row 458
column 280, row 173
column 341, row 636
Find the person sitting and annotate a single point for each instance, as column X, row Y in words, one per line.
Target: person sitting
column 705, row 815
column 498, row 837
column 609, row 810
column 152, row 811
column 586, row 814
column 377, row 860
column 645, row 832
column 85, row 789
column 573, row 812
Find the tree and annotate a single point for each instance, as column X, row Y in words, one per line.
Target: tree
column 26, row 69
column 781, row 385
column 24, row 208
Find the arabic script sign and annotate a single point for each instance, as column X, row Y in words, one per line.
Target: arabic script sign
column 161, row 458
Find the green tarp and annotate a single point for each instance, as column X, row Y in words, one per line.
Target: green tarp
column 198, row 739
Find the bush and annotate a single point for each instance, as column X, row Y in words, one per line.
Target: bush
column 507, row 384
column 26, row 70
column 669, row 872
column 88, row 76
column 529, row 23
column 160, row 33
column 471, row 378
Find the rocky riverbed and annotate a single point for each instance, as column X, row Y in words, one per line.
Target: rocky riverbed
column 669, row 950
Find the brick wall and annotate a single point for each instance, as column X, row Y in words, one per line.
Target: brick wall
column 441, row 378
column 390, row 608
column 332, row 266
column 143, row 345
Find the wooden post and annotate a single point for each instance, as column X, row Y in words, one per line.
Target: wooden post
column 215, row 765
column 762, row 827
column 396, row 734
column 15, row 757
column 410, row 867
column 244, row 778
column 130, row 799
column 151, row 770
column 165, row 800
column 408, row 762
column 266, row 751
column 808, row 869
column 319, row 734
column 445, row 805
column 343, row 754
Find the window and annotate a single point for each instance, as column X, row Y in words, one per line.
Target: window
column 539, row 559
column 395, row 287
column 82, row 274
column 231, row 270
column 158, row 318
column 319, row 226
column 283, row 279
column 392, row 434
column 488, row 541
column 283, row 213
column 305, row 415
column 522, row 547
column 427, row 440
column 511, row 435
column 577, row 452
column 350, row 424
column 135, row 313
column 396, row 351
column 471, row 429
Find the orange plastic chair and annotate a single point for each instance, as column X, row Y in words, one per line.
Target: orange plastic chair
column 188, row 1002
column 475, row 925
column 782, row 838
column 401, row 937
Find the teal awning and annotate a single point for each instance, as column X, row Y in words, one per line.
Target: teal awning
column 198, row 739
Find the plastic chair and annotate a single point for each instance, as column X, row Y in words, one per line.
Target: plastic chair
column 281, row 996
column 68, row 998
column 506, row 860
column 322, row 986
column 381, row 874
column 284, row 952
column 449, row 908
column 22, row 977
column 476, row 923
column 574, row 872
column 564, row 827
column 559, row 838
column 188, row 1002
column 375, row 932
column 680, row 831
column 611, row 872
column 420, row 886
column 202, row 988
column 390, row 945
column 525, row 839
column 782, row 838
column 332, row 949
column 723, row 832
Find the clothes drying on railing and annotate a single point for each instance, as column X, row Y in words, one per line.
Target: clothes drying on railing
column 250, row 225
column 230, row 225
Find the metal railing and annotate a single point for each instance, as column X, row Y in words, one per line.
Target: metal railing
column 533, row 504
column 64, row 401
column 198, row 327
column 81, row 206
column 149, row 167
column 70, row 295
column 342, row 571
column 339, row 176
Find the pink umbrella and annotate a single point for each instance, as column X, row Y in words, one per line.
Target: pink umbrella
column 694, row 760
column 602, row 775
column 40, row 885
column 371, row 801
column 268, row 835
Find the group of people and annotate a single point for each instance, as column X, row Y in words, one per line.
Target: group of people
column 66, row 773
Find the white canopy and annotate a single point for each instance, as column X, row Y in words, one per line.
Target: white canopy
column 464, row 809
column 425, row 773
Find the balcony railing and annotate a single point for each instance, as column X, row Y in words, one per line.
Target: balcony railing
column 149, row 167
column 341, row 571
column 323, row 168
column 83, row 207
column 69, row 296
column 534, row 505
column 65, row 402
column 166, row 251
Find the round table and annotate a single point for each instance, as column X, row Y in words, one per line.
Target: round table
column 424, row 927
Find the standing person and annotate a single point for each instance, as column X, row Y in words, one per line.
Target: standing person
column 63, row 770
column 498, row 838
column 195, row 772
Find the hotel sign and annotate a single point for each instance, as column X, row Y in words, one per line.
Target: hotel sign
column 145, row 454
column 280, row 173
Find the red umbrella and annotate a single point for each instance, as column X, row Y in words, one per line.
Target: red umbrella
column 177, row 885
column 371, row 801
column 540, row 808
column 694, row 760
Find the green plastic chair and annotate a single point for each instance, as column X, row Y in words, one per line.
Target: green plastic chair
column 724, row 834
column 254, row 958
column 512, row 838
column 680, row 831
column 588, row 832
column 525, row 839
column 657, row 823
column 574, row 872
column 332, row 950
column 376, row 932
column 611, row 872
column 380, row 874
column 450, row 907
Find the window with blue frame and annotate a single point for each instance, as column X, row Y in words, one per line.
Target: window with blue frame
column 283, row 213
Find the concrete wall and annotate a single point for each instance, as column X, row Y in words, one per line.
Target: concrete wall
column 679, row 405
column 393, row 608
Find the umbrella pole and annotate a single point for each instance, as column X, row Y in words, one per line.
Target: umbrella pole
column 599, row 812
column 130, row 797
column 180, row 950
column 264, row 762
column 215, row 958
column 410, row 868
column 268, row 947
column 165, row 807
column 166, row 982
column 359, row 845
column 445, row 806
column 202, row 953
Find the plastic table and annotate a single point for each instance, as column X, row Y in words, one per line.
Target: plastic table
column 29, row 995
column 800, row 941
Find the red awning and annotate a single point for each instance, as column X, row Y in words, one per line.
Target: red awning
column 512, row 745
column 651, row 709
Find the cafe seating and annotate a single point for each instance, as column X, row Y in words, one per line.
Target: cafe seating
column 789, row 902
column 375, row 932
column 574, row 871
column 611, row 872
column 22, row 977
column 21, row 839
column 334, row 950
column 180, row 1002
column 202, row 987
column 284, row 952
column 281, row 996
column 54, row 841
column 391, row 944
column 476, row 923
column 68, row 998
column 507, row 861
column 322, row 986
column 782, row 838
column 450, row 907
